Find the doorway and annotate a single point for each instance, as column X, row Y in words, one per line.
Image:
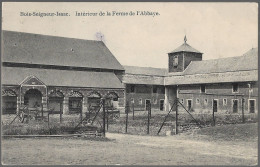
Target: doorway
column 147, row 103
column 215, row 105
column 235, row 105
column 33, row 98
column 189, row 104
column 251, row 106
column 161, row 105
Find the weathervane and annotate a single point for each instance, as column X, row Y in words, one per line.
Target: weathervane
column 185, row 39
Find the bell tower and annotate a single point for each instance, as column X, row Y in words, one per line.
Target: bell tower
column 181, row 57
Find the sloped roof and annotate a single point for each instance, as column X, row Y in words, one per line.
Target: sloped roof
column 145, row 71
column 15, row 75
column 29, row 48
column 234, row 76
column 185, row 48
column 248, row 61
column 143, row 79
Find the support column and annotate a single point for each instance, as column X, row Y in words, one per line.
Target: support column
column 166, row 101
column 66, row 105
column 44, row 102
column 84, row 105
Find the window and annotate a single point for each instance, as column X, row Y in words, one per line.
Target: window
column 175, row 61
column 197, row 101
column 224, row 102
column 154, row 89
column 132, row 100
column 235, row 88
column 75, row 104
column 182, row 101
column 205, row 101
column 202, row 89
column 251, row 105
column 140, row 101
column 132, row 88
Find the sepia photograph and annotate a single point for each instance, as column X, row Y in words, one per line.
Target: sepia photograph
column 129, row 83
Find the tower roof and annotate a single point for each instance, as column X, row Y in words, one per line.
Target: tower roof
column 185, row 48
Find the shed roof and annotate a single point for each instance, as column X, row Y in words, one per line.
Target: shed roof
column 185, row 48
column 20, row 47
column 248, row 61
column 145, row 71
column 50, row 77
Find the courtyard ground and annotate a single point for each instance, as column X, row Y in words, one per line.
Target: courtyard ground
column 220, row 145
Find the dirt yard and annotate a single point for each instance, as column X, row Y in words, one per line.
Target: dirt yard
column 198, row 148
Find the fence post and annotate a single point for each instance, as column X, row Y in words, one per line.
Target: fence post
column 176, row 122
column 149, row 115
column 126, row 121
column 243, row 114
column 213, row 118
column 104, row 117
column 133, row 111
column 107, row 119
column 61, row 109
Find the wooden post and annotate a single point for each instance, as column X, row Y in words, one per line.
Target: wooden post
column 42, row 110
column 148, row 121
column 126, row 121
column 176, row 122
column 61, row 109
column 213, row 118
column 243, row 114
column 104, row 117
column 49, row 122
column 133, row 111
column 107, row 118
column 81, row 111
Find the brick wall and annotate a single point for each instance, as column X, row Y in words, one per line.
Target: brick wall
column 203, row 102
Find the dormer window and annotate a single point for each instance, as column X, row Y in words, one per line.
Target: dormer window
column 175, row 61
column 235, row 88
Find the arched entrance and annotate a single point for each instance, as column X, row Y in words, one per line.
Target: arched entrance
column 9, row 102
column 33, row 98
column 112, row 99
column 75, row 102
column 94, row 100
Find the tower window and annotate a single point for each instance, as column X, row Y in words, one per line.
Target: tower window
column 175, row 61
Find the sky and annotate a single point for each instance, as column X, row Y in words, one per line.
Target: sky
column 217, row 30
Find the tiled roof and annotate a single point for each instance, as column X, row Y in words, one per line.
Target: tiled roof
column 234, row 76
column 29, row 48
column 143, row 79
column 233, row 69
column 15, row 75
column 249, row 61
column 145, row 71
column 185, row 48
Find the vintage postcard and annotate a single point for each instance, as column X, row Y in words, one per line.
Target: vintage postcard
column 127, row 83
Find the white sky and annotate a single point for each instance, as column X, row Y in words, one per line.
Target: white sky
column 216, row 29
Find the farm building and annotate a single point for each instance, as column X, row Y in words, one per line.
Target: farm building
column 71, row 75
column 66, row 74
column 223, row 85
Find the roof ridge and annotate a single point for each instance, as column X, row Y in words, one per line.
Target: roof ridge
column 52, row 36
